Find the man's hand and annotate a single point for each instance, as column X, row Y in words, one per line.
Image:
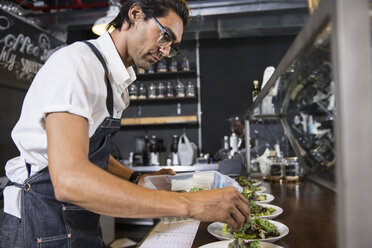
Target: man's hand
column 225, row 205
column 141, row 182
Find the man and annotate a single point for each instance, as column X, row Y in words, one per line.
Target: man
column 64, row 177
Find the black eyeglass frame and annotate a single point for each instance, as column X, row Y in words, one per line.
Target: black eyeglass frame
column 175, row 47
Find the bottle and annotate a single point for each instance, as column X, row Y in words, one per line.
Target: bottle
column 170, row 91
column 180, row 89
column 154, row 150
column 174, row 150
column 185, row 65
column 173, row 65
column 161, row 90
column 152, row 91
column 133, row 92
column 190, row 90
column 142, row 92
column 255, row 90
column 151, row 69
column 162, row 66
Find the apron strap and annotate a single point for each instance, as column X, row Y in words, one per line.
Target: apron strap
column 109, row 99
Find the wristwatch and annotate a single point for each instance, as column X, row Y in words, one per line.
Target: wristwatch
column 135, row 177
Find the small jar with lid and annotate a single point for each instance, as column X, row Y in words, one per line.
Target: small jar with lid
column 277, row 168
column 190, row 89
column 161, row 90
column 133, row 92
column 161, row 66
column 180, row 89
column 142, row 92
column 169, row 90
column 185, row 65
column 292, row 169
column 173, row 65
column 152, row 91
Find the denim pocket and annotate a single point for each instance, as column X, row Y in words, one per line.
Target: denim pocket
column 10, row 231
column 100, row 148
column 60, row 241
column 78, row 218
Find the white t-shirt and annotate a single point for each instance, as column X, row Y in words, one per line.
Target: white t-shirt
column 72, row 80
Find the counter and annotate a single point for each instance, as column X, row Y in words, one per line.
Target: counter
column 309, row 212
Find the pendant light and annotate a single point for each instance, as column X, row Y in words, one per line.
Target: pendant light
column 100, row 24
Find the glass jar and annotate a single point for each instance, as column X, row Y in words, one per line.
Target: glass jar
column 142, row 92
column 133, row 92
column 161, row 90
column 152, row 91
column 277, row 168
column 185, row 65
column 173, row 65
column 180, row 89
column 190, row 90
column 151, row 69
column 162, row 66
column 170, row 90
column 292, row 169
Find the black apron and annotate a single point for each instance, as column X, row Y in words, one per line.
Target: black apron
column 50, row 223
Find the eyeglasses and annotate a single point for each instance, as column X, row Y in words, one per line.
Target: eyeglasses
column 167, row 39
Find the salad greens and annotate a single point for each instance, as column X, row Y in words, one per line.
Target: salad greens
column 195, row 189
column 256, row 228
column 251, row 195
column 246, row 184
column 241, row 243
column 257, row 210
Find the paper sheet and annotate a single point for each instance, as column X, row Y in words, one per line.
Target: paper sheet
column 180, row 235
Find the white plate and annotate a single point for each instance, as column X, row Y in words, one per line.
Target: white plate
column 225, row 244
column 278, row 211
column 216, row 230
column 262, row 189
column 256, row 184
column 269, row 198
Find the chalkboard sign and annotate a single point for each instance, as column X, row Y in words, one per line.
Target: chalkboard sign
column 23, row 50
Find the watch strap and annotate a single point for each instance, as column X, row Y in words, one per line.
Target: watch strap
column 135, row 177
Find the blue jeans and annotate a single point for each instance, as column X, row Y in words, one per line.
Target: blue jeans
column 10, row 232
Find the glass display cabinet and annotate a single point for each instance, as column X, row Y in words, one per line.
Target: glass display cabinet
column 321, row 95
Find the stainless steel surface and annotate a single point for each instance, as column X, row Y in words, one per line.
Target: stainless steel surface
column 177, row 168
column 199, row 112
column 352, row 74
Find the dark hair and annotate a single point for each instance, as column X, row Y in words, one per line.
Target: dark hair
column 151, row 8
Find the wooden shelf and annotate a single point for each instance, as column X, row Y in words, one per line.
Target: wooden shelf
column 168, row 120
column 163, row 100
column 166, row 75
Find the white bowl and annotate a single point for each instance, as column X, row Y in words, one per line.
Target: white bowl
column 216, row 230
column 278, row 211
column 225, row 244
column 269, row 198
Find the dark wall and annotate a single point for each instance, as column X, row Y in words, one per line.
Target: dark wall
column 228, row 68
column 10, row 109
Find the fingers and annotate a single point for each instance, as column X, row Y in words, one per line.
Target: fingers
column 243, row 206
column 165, row 172
column 238, row 219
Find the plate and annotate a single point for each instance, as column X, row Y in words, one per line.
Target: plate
column 225, row 244
column 257, row 184
column 262, row 189
column 216, row 230
column 269, row 198
column 278, row 211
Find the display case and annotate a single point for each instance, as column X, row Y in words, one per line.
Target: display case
column 321, row 94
